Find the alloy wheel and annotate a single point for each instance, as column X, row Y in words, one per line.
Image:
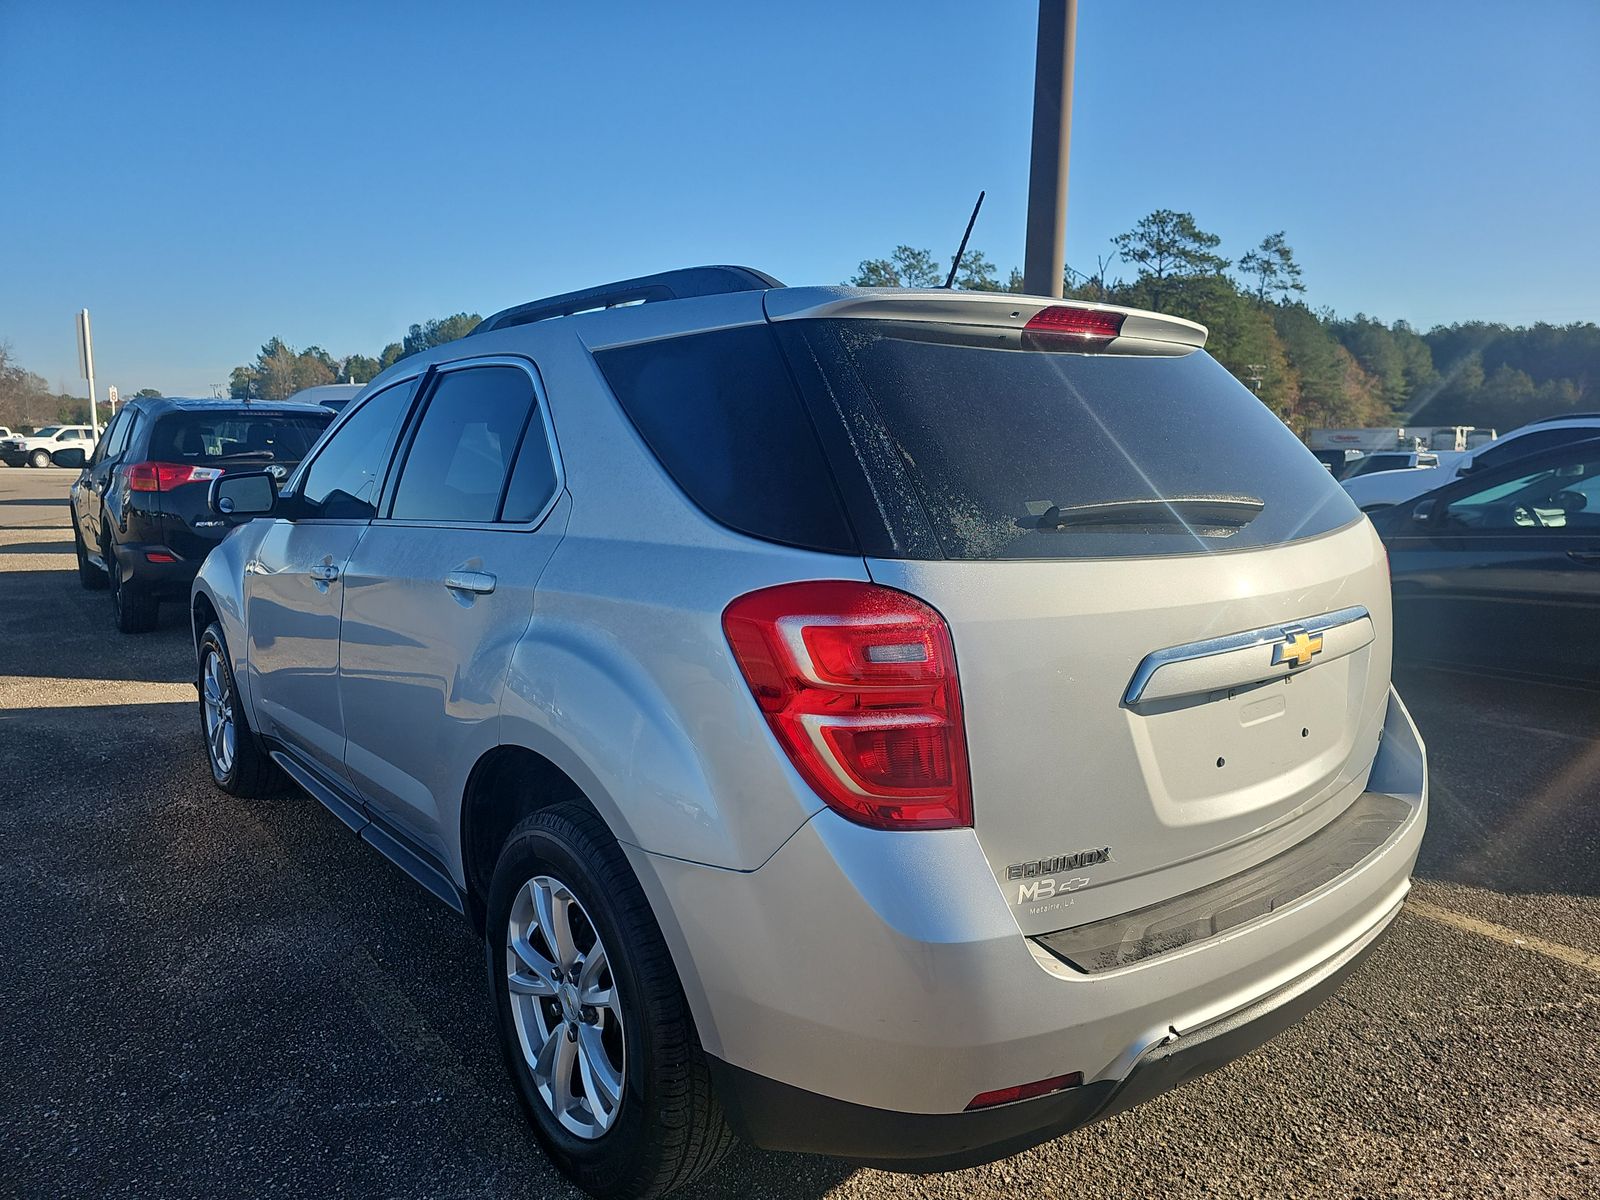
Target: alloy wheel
column 216, row 699
column 565, row 1006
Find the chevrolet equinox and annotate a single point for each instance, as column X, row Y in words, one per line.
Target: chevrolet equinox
column 901, row 725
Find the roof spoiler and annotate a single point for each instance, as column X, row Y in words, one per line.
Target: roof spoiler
column 667, row 285
column 1138, row 331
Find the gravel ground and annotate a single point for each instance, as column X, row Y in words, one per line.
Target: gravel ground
column 203, row 996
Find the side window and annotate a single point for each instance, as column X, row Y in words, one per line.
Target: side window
column 461, row 455
column 721, row 414
column 343, row 481
column 113, row 437
column 533, row 478
column 1564, row 496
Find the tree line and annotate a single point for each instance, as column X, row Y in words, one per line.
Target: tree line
column 1312, row 367
column 280, row 371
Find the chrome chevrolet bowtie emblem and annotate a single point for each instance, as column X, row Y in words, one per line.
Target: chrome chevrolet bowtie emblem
column 1297, row 648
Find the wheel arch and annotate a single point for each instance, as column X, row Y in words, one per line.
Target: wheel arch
column 202, row 613
column 508, row 784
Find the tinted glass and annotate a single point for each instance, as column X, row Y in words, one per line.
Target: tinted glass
column 219, row 438
column 722, row 415
column 1528, row 443
column 457, row 465
column 1027, row 453
column 1385, row 462
column 115, row 436
column 1559, row 497
column 533, row 479
column 344, row 479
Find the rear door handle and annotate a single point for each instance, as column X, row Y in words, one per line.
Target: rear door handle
column 479, row 582
column 325, row 572
column 1585, row 556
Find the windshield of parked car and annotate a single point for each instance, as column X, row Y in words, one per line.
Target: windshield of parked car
column 214, row 438
column 48, row 430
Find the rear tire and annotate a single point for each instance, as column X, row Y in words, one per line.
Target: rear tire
column 132, row 608
column 41, row 458
column 89, row 575
column 667, row 1127
column 244, row 770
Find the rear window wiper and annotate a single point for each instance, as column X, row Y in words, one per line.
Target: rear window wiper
column 1211, row 516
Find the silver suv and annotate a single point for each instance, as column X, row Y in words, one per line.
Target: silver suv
column 902, row 725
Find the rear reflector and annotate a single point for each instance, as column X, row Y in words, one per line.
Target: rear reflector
column 1026, row 1091
column 163, row 477
column 1079, row 324
column 158, row 556
column 858, row 683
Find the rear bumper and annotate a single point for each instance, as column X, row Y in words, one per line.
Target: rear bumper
column 169, row 580
column 777, row 1116
column 861, row 988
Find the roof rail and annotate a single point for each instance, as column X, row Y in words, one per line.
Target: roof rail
column 668, row 285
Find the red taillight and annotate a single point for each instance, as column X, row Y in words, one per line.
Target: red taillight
column 1025, row 1091
column 1078, row 324
column 163, row 477
column 858, row 682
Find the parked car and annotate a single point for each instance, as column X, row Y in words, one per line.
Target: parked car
column 847, row 725
column 1502, row 569
column 1382, row 489
column 140, row 522
column 35, row 449
column 1339, row 462
column 1394, row 460
column 332, row 396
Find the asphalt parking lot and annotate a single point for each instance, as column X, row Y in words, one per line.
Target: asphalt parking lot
column 204, row 997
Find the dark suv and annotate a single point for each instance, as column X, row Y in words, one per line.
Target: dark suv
column 139, row 515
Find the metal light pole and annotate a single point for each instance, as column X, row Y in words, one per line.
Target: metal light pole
column 1045, row 257
column 86, row 367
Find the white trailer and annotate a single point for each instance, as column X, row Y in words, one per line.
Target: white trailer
column 1391, row 438
column 1401, row 437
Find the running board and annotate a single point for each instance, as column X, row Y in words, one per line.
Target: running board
column 391, row 845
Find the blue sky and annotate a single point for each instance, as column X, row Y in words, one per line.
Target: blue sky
column 205, row 176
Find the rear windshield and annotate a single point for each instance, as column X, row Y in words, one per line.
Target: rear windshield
column 1026, row 453
column 902, row 440
column 224, row 437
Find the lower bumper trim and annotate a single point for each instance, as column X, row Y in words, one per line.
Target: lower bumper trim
column 778, row 1116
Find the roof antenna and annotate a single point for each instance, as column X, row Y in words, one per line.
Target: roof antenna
column 950, row 280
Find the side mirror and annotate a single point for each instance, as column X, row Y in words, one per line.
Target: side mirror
column 243, row 495
column 73, row 456
column 1426, row 512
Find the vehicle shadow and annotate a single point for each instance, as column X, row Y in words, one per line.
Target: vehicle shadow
column 51, row 627
column 1514, row 781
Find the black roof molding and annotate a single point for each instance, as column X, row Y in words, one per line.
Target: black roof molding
column 668, row 285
